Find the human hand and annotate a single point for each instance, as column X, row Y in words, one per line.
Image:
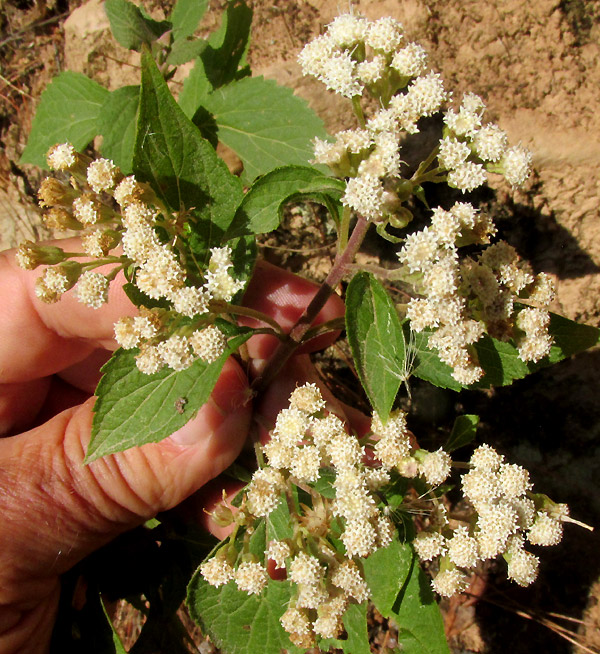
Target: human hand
column 55, row 511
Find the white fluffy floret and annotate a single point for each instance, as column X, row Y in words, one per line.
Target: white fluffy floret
column 278, row 551
column 295, row 621
column 216, row 571
column 467, row 176
column 422, row 314
column 175, row 352
column 435, row 467
column 486, row 458
column 516, row 164
column 347, row 576
column 149, row 360
column 92, row 289
column 365, row 194
column 452, row 153
column 514, row 480
column 523, row 567
column 429, row 545
column 410, row 61
column 545, row 530
column 359, row 538
column 450, row 582
column 86, row 209
column 347, row 30
column 190, row 300
column 251, row 577
column 490, row 142
column 61, row 156
column 102, row 175
column 307, row 398
column 208, row 343
column 338, row 73
column 306, row 463
column 463, row 549
column 306, row 569
column 384, row 35
column 420, row 249
column 426, row 94
column 264, row 490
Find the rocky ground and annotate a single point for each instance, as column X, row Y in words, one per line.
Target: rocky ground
column 537, row 66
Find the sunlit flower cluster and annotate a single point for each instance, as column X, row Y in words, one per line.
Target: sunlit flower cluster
column 461, row 300
column 307, row 443
column 123, row 226
column 505, row 515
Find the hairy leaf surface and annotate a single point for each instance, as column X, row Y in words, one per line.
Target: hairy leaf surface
column 69, row 110
column 421, row 628
column 130, row 25
column 357, row 636
column 134, row 408
column 262, row 207
column 181, row 166
column 185, row 17
column 386, row 571
column 264, row 123
column 376, row 340
column 118, row 121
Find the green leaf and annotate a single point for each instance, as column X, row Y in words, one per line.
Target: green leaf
column 225, row 57
column 386, row 571
column 265, row 124
column 239, row 623
column 279, row 521
column 118, row 645
column 69, row 110
column 133, row 408
column 117, row 124
column 357, row 637
column 421, row 628
column 196, row 88
column 181, row 166
column 463, row 432
column 426, row 363
column 376, row 340
column 131, row 27
column 324, row 484
column 185, row 17
column 262, row 207
column 185, row 50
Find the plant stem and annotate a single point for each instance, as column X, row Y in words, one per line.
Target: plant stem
column 343, row 230
column 236, row 310
column 358, row 112
column 287, row 348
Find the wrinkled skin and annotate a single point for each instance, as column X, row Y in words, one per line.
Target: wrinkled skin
column 55, row 511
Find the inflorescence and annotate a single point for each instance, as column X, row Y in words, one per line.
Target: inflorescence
column 459, row 300
column 334, row 532
column 124, row 226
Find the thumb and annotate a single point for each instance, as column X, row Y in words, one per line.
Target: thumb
column 60, row 510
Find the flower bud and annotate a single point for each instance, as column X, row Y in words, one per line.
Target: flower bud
column 53, row 192
column 29, row 255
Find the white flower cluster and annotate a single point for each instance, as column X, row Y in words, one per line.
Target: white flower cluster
column 304, row 440
column 88, row 204
column 461, row 300
column 506, row 515
column 355, row 55
column 469, row 148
